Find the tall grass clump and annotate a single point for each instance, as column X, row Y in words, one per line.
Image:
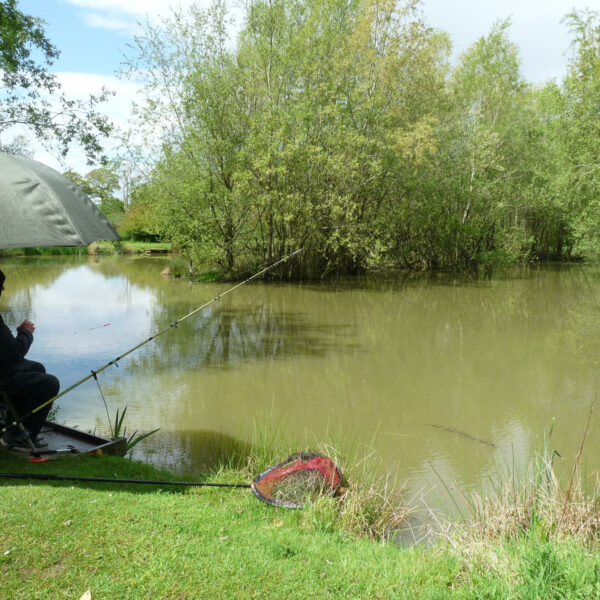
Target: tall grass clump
column 367, row 503
column 529, row 536
column 534, row 504
column 104, row 248
column 179, row 266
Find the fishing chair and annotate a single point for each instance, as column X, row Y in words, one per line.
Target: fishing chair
column 8, row 414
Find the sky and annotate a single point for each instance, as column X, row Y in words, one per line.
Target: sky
column 93, row 37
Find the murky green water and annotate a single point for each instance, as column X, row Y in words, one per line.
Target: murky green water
column 423, row 371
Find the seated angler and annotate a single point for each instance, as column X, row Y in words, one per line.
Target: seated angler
column 24, row 381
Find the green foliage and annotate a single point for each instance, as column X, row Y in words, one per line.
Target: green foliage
column 128, row 247
column 31, row 95
column 178, row 266
column 339, row 127
column 289, row 139
column 54, row 251
column 100, row 185
column 141, row 221
column 119, row 429
column 581, row 138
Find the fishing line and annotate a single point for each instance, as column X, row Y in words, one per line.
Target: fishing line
column 112, row 433
column 115, row 361
column 444, row 428
column 459, row 432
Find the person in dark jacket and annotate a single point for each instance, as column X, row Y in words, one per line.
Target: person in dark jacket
column 25, row 381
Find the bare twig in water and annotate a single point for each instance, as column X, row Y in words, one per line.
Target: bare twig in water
column 467, row 435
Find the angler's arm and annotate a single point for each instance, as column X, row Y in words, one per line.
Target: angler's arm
column 13, row 348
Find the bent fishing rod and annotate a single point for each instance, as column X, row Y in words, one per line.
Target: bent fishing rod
column 114, row 361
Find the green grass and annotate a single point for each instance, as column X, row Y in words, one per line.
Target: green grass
column 129, row 247
column 59, row 539
column 59, row 251
column 125, row 247
column 144, row 542
column 212, row 276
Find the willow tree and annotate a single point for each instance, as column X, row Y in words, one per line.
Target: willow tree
column 341, row 91
column 580, row 126
column 194, row 116
column 296, row 136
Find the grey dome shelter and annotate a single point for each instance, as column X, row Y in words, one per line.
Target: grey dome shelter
column 40, row 207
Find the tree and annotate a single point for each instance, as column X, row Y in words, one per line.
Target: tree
column 338, row 126
column 30, row 95
column 20, row 146
column 295, row 137
column 459, row 206
column 580, row 121
column 190, row 89
column 100, row 185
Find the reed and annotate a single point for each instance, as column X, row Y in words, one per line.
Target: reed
column 522, row 502
column 533, row 503
column 367, row 503
column 119, row 429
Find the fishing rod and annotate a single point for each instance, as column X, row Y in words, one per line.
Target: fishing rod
column 50, row 477
column 94, row 373
column 301, row 477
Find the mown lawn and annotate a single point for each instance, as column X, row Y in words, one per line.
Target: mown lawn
column 129, row 247
column 120, row 542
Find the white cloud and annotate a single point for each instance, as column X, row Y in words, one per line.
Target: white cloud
column 536, row 28
column 80, row 85
column 100, row 21
column 137, row 8
column 125, row 17
column 117, row 108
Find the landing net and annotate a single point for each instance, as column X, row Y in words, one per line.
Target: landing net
column 299, row 479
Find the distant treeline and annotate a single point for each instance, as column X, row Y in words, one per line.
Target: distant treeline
column 339, row 126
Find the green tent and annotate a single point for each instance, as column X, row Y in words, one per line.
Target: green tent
column 41, row 207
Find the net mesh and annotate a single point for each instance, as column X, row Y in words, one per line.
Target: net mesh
column 299, row 479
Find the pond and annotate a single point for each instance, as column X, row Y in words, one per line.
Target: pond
column 442, row 377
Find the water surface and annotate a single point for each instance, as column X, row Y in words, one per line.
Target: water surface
column 427, row 372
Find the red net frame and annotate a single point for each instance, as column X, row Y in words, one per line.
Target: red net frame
column 300, row 478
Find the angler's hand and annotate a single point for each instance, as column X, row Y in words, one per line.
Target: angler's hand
column 26, row 325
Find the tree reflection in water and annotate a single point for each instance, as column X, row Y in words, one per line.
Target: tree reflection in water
column 222, row 338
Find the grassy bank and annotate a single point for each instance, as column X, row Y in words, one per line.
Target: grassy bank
column 125, row 247
column 60, row 539
column 129, row 247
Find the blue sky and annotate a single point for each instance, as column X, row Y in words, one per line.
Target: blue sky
column 84, row 49
column 92, row 36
